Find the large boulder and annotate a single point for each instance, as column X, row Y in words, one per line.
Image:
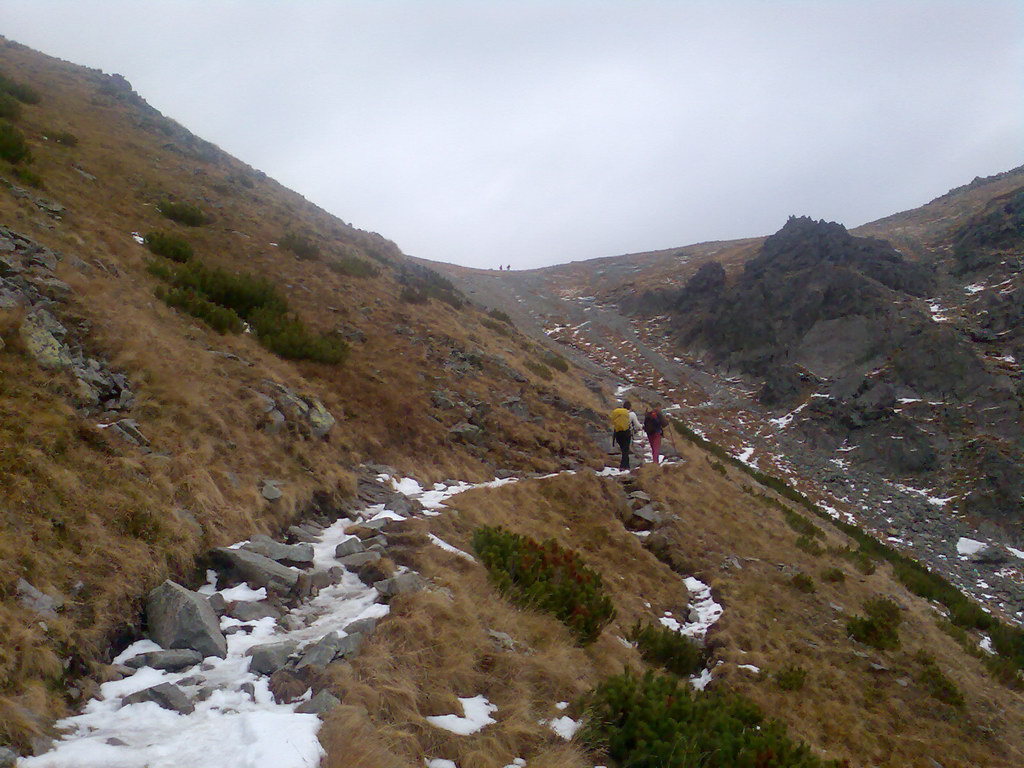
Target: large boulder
column 165, row 695
column 180, row 618
column 266, row 659
column 170, row 661
column 257, row 570
column 41, row 343
column 299, row 555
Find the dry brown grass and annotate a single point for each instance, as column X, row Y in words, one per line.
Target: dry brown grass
column 198, row 408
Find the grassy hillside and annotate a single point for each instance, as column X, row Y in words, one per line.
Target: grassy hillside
column 95, row 521
column 240, row 288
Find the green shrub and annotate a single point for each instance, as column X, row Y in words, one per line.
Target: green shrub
column 184, row 213
column 13, row 147
column 501, row 317
column 810, row 546
column 539, row 369
column 169, row 245
column 26, row 94
column 790, row 677
column 557, row 362
column 800, row 524
column 802, row 583
column 499, row 328
column 546, row 577
column 422, row 283
column 411, row 295
column 352, row 266
column 880, row 627
column 10, row 109
column 656, row 721
column 861, row 560
column 300, row 245
column 719, row 467
column 199, row 289
column 66, row 139
column 833, row 575
column 221, row 319
column 26, row 176
column 939, row 686
column 668, row 649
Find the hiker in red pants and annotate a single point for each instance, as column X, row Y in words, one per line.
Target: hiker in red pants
column 654, row 425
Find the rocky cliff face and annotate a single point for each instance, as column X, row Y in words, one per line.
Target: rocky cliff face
column 840, row 327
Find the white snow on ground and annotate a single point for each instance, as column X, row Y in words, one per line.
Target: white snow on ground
column 438, row 762
column 975, row 288
column 938, row 312
column 745, row 455
column 784, row 421
column 936, row 501
column 965, row 546
column 705, row 612
column 449, row 548
column 565, row 726
column 138, row 238
column 476, row 715
column 622, row 389
column 1016, row 552
column 1007, row 359
column 750, row 668
column 233, row 727
column 986, row 645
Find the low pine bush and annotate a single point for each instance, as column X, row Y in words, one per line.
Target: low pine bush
column 13, row 147
column 790, row 677
column 300, row 245
column 10, row 109
column 26, row 94
column 538, row 368
column 221, row 319
column 66, row 139
column 27, row 176
column 546, row 577
column 939, row 686
column 656, row 721
column 501, row 317
column 557, row 362
column 422, row 284
column 833, row 575
column 802, row 583
column 668, row 649
column 810, row 546
column 352, row 266
column 184, row 213
column 799, row 523
column 170, row 246
column 226, row 301
column 880, row 627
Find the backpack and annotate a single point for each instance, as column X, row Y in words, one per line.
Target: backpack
column 620, row 420
column 651, row 424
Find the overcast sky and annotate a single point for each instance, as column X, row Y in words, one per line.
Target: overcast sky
column 531, row 133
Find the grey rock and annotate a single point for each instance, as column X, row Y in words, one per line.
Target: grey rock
column 299, row 555
column 359, row 559
column 302, row 535
column 362, row 626
column 266, row 659
column 349, row 645
column 166, row 695
column 275, row 422
column 38, row 602
column 640, row 495
column 258, row 571
column 464, row 432
column 378, row 524
column 218, row 603
column 253, row 610
column 321, row 653
column 326, row 578
column 129, row 430
column 180, row 618
column 42, row 345
column 403, row 583
column 379, row 540
column 320, row 704
column 270, row 490
column 170, row 661
column 503, row 639
column 649, row 514
column 8, row 758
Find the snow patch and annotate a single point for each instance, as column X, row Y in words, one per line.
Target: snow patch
column 476, row 715
column 965, row 546
column 449, row 548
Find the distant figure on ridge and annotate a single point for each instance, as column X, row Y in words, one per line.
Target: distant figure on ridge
column 655, row 423
column 624, row 424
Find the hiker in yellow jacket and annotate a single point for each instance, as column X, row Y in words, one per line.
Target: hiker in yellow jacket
column 624, row 424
